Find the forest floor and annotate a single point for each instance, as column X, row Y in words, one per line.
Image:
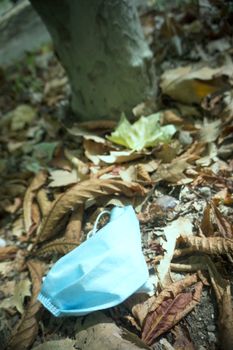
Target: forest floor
column 57, row 177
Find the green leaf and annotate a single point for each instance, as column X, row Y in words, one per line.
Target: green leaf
column 145, row 132
column 44, row 150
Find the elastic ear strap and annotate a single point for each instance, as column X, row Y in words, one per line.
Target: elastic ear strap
column 95, row 228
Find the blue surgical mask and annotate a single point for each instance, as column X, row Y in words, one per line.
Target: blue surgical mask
column 102, row 272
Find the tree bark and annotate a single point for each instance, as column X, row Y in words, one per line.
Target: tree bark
column 101, row 45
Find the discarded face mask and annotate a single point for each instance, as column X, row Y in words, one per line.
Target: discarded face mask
column 102, row 272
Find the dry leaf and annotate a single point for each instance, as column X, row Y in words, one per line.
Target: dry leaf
column 121, row 156
column 13, row 207
column 7, row 287
column 22, row 116
column 210, row 156
column 92, row 127
column 8, row 252
column 206, row 223
column 81, row 168
column 191, row 84
column 60, row 245
column 223, row 196
column 35, row 215
column 182, row 339
column 43, row 202
column 95, row 147
column 141, row 310
column 170, row 117
column 167, row 152
column 142, row 173
column 79, row 194
column 210, row 131
column 172, row 172
column 226, row 319
column 73, row 229
column 224, row 226
column 207, row 245
column 63, row 178
column 18, row 227
column 62, row 344
column 30, row 194
column 128, row 174
column 169, row 313
column 22, row 290
column 27, row 328
column 171, row 232
column 168, row 309
column 6, row 268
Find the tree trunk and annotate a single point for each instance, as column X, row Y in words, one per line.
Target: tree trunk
column 101, row 45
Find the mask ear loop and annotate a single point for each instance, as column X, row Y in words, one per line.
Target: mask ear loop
column 95, row 228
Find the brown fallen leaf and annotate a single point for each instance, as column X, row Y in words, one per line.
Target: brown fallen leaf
column 223, row 196
column 141, row 309
column 206, row 223
column 13, row 207
column 43, row 202
column 79, row 194
column 142, row 173
column 22, row 290
column 170, row 117
column 169, row 312
column 226, row 319
column 92, row 127
column 8, row 252
column 35, row 216
column 222, row 289
column 191, row 84
column 210, row 131
column 60, row 245
column 182, row 339
column 172, row 172
column 207, row 245
column 26, row 330
column 30, row 194
column 73, row 229
column 62, row 178
column 224, row 226
column 81, row 168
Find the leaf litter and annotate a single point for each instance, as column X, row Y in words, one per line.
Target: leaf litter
column 172, row 162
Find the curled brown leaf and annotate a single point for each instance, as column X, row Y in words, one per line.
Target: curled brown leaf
column 8, row 252
column 27, row 328
column 207, row 245
column 60, row 245
column 79, row 194
column 226, row 319
column 169, row 312
column 141, row 309
column 73, row 229
column 30, row 194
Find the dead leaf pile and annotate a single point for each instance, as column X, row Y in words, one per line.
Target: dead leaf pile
column 170, row 159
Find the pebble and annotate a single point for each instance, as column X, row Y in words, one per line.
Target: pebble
column 205, row 191
column 166, row 202
column 212, row 337
column 185, row 138
column 211, row 328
